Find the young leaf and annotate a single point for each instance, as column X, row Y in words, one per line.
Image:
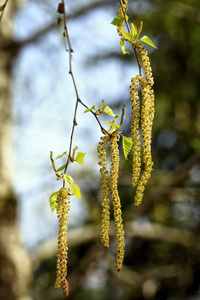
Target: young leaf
column 117, row 126
column 122, row 46
column 102, row 105
column 89, row 109
column 118, row 21
column 126, row 144
column 74, row 151
column 134, row 29
column 68, row 180
column 80, row 157
column 148, row 41
column 109, row 111
column 61, row 168
column 129, row 36
column 53, row 201
column 61, row 155
column 140, row 29
column 76, row 191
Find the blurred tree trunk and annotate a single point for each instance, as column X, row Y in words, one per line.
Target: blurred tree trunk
column 15, row 270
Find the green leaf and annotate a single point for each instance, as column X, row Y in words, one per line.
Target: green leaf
column 122, row 46
column 126, row 144
column 61, row 168
column 89, row 109
column 80, row 157
column 74, row 151
column 134, row 29
column 148, row 41
column 53, row 201
column 102, row 105
column 109, row 111
column 118, row 21
column 140, row 29
column 129, row 36
column 61, row 155
column 117, row 126
column 68, row 180
column 76, row 191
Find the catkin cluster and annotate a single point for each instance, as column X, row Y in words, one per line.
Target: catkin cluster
column 105, row 222
column 144, row 115
column 110, row 188
column 63, row 208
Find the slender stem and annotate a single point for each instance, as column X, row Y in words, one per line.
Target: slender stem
column 78, row 100
column 129, row 30
column 66, row 34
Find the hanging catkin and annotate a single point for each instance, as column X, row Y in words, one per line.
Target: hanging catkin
column 114, row 174
column 63, row 208
column 105, row 221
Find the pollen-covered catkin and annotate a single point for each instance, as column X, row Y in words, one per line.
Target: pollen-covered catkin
column 105, row 221
column 147, row 115
column 121, row 10
column 146, row 63
column 135, row 131
column 63, row 208
column 114, row 174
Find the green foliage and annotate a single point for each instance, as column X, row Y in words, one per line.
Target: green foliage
column 101, row 110
column 109, row 111
column 148, row 41
column 102, row 104
column 131, row 37
column 118, row 21
column 53, row 201
column 127, row 145
column 80, row 157
column 68, row 180
column 76, row 191
column 113, row 126
column 89, row 109
column 128, row 36
column 122, row 46
column 61, row 168
column 61, row 155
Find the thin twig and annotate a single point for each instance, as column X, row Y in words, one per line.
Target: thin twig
column 78, row 100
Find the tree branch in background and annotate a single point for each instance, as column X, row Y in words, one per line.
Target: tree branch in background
column 2, row 9
column 16, row 46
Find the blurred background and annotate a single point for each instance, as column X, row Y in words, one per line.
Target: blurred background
column 162, row 258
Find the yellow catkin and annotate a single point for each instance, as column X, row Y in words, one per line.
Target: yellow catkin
column 147, row 115
column 63, row 208
column 121, row 14
column 122, row 10
column 105, row 221
column 146, row 63
column 135, row 131
column 114, row 174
